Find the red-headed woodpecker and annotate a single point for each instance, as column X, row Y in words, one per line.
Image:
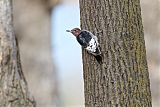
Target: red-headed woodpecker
column 88, row 41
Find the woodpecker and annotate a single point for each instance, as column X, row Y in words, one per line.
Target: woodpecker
column 88, row 41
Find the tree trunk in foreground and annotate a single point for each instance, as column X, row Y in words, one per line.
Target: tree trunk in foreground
column 13, row 87
column 122, row 80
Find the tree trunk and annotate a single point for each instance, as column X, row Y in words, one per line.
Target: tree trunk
column 32, row 20
column 122, row 80
column 13, row 87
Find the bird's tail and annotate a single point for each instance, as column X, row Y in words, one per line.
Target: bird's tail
column 98, row 58
column 98, row 51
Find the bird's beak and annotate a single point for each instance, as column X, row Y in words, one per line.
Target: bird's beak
column 68, row 31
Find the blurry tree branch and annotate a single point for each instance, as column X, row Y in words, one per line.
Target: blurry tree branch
column 32, row 21
column 151, row 16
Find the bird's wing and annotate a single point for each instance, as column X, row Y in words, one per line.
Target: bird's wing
column 95, row 38
column 82, row 42
column 84, row 38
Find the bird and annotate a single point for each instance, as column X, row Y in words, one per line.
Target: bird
column 88, row 41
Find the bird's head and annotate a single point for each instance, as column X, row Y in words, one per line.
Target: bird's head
column 75, row 31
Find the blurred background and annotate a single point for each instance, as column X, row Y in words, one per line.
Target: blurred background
column 51, row 58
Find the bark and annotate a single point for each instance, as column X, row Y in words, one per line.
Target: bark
column 13, row 86
column 123, row 79
column 32, row 20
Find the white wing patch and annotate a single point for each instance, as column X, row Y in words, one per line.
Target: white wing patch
column 92, row 46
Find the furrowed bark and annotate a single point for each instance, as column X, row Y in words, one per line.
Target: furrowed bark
column 123, row 79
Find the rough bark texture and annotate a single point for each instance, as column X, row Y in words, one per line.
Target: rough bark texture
column 13, row 87
column 32, row 20
column 122, row 80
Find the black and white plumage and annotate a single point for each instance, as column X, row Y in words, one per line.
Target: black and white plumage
column 88, row 41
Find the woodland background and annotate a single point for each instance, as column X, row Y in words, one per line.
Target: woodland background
column 51, row 58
